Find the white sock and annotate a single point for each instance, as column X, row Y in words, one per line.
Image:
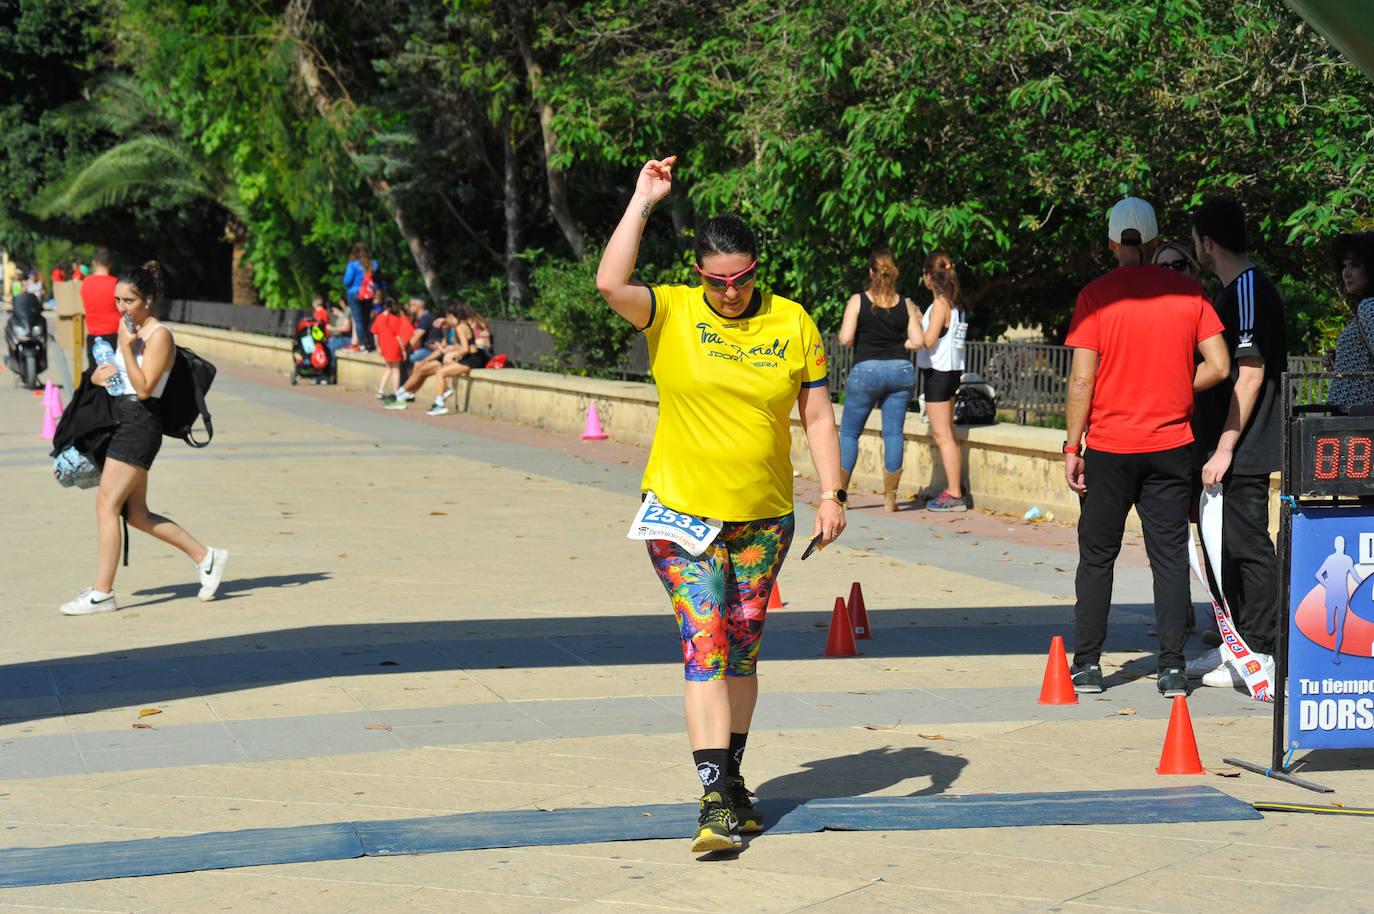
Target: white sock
column 99, row 595
column 204, row 564
column 438, row 401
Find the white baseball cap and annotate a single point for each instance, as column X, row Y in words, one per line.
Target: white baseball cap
column 1132, row 213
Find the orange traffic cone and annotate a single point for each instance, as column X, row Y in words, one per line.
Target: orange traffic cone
column 858, row 616
column 1180, row 746
column 592, row 430
column 1057, row 688
column 775, row 597
column 840, row 642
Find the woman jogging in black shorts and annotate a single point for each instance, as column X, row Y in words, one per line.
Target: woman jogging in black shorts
column 143, row 363
column 729, row 361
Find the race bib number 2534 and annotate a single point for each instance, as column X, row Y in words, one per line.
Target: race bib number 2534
column 657, row 522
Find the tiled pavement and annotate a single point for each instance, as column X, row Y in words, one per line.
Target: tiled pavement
column 432, row 616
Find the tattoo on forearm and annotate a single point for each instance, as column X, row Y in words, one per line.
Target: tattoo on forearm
column 644, row 213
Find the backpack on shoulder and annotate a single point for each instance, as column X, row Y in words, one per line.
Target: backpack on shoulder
column 183, row 402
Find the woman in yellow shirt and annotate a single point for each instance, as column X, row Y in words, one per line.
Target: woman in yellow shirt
column 729, row 362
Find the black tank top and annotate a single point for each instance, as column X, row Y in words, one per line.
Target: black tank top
column 881, row 332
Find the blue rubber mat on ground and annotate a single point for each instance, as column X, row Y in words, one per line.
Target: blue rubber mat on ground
column 1151, row 806
column 219, row 850
column 24, row 866
column 531, row 827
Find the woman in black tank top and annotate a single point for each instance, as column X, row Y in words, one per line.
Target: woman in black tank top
column 883, row 328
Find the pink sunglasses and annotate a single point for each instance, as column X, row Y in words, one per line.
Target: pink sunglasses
column 742, row 278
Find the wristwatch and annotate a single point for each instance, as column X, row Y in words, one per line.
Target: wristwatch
column 839, row 496
column 1070, row 448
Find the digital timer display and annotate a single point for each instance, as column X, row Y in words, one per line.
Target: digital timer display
column 1334, row 455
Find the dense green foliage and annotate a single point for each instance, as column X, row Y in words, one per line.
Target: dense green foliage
column 471, row 134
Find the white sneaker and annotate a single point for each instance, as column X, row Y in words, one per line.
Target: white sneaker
column 438, row 409
column 86, row 604
column 1201, row 666
column 1228, row 677
column 211, row 571
column 404, row 395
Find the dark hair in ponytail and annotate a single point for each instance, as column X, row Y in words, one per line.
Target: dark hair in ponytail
column 727, row 234
column 146, row 281
column 942, row 275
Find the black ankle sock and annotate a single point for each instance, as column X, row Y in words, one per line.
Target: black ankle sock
column 732, row 764
column 711, row 768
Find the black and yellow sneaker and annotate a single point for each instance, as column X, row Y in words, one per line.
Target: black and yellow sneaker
column 717, row 829
column 742, row 805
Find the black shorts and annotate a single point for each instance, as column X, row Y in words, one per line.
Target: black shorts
column 939, row 386
column 474, row 360
column 138, row 436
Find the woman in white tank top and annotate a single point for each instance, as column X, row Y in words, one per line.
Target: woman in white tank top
column 143, row 363
column 941, row 363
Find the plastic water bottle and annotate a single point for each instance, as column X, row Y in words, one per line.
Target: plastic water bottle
column 104, row 355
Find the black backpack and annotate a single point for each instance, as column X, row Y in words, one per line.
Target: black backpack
column 183, row 400
column 973, row 405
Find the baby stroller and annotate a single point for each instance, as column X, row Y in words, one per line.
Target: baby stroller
column 311, row 353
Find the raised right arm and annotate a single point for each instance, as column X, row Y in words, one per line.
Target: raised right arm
column 627, row 296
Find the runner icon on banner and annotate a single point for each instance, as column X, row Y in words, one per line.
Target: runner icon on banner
column 656, row 522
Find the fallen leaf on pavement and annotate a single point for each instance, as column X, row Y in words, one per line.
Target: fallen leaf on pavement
column 148, row 712
column 143, row 726
column 883, row 727
column 931, row 736
column 1124, row 712
column 1227, row 773
column 376, row 727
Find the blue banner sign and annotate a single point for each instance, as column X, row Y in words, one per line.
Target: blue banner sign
column 1331, row 629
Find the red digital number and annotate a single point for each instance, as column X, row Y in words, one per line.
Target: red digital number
column 1328, row 462
column 1357, row 458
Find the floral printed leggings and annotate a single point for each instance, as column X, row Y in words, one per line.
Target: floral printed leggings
column 720, row 596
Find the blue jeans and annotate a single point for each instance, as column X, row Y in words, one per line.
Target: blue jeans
column 876, row 382
column 362, row 320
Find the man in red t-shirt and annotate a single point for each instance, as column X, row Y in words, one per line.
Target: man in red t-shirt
column 1134, row 335
column 98, row 301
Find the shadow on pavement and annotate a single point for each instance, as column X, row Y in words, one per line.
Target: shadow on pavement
column 228, row 589
column 116, row 678
column 868, row 772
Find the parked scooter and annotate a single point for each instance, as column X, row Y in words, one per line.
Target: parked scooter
column 26, row 340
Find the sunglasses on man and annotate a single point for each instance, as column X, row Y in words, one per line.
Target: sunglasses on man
column 742, row 278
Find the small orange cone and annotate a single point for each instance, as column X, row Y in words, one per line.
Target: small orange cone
column 858, row 616
column 840, row 642
column 592, row 430
column 1057, row 688
column 1180, row 746
column 775, row 597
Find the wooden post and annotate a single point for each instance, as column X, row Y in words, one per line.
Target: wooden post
column 78, row 343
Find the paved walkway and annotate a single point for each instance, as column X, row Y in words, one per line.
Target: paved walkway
column 427, row 616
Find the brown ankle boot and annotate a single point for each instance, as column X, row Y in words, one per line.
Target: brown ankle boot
column 890, row 481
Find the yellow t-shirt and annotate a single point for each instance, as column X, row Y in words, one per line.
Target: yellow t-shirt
column 726, row 389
